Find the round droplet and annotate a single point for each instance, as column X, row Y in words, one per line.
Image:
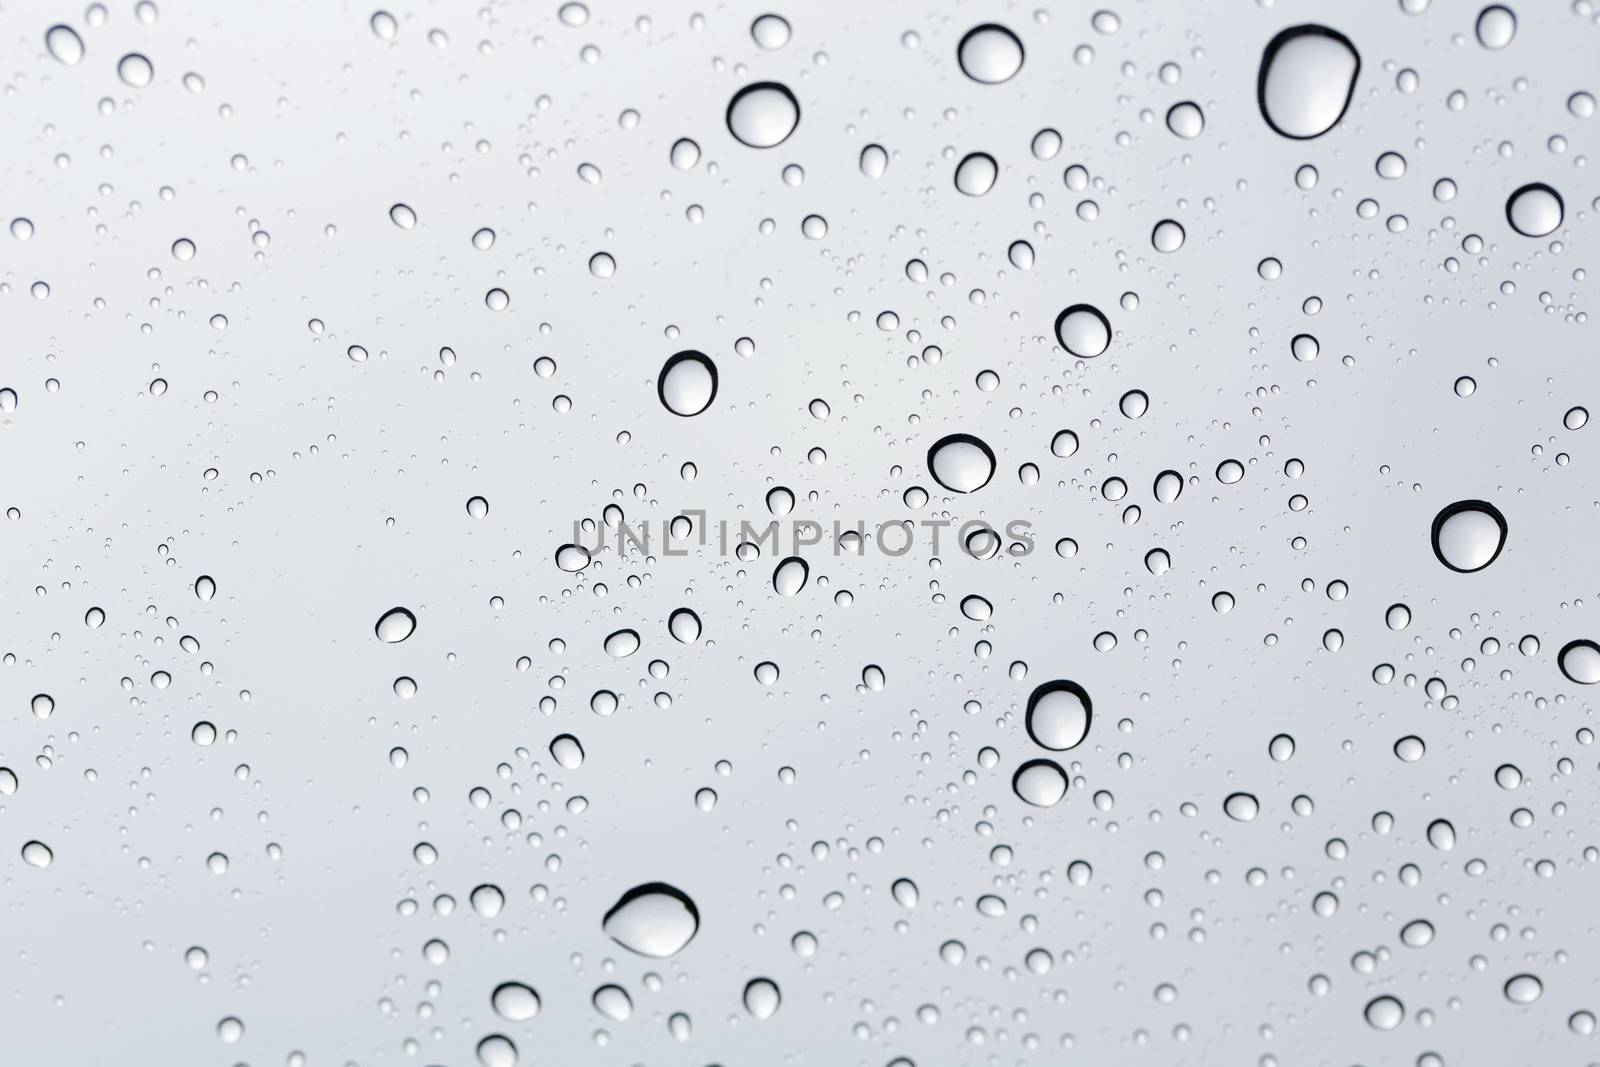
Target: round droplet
column 1496, row 26
column 1059, row 714
column 990, row 54
column 567, row 751
column 487, row 900
column 684, row 625
column 1168, row 486
column 1468, row 535
column 1064, row 444
column 1307, row 77
column 43, row 705
column 976, row 173
column 1442, row 835
column 761, row 998
column 1186, row 120
column 135, row 70
column 789, row 577
column 1580, row 661
column 763, row 115
column 477, row 507
column 395, row 626
column 1535, row 210
column 655, row 920
column 1524, row 989
column 514, row 1001
column 1040, row 782
column 687, row 383
column 1384, row 1013
column 572, row 558
column 770, row 31
column 497, row 1050
column 1168, row 236
column 961, row 463
column 64, row 45
column 613, row 1002
column 1281, row 748
column 622, row 643
column 1241, row 807
column 1083, row 331
column 1417, row 934
column 37, row 854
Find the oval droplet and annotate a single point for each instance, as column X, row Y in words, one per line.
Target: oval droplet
column 990, row 54
column 1041, row 783
column 395, row 626
column 961, row 463
column 1468, row 535
column 763, row 115
column 1083, row 331
column 1059, row 714
column 687, row 383
column 1307, row 78
column 655, row 920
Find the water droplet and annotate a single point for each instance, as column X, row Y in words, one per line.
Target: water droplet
column 1535, row 210
column 976, row 608
column 1442, row 835
column 905, row 894
column 43, row 705
column 1384, row 1013
column 37, row 854
column 990, row 54
column 789, row 577
column 961, row 463
column 515, row 1002
column 1186, row 120
column 567, row 751
column 497, row 1050
column 1083, row 331
column 487, row 900
column 1307, row 77
column 1468, row 535
column 1241, row 807
column 402, row 216
column 874, row 160
column 1575, row 418
column 654, row 919
column 383, row 25
column 684, row 625
column 602, row 265
column 1580, row 661
column 613, row 1002
column 763, row 115
column 976, row 173
column 205, row 587
column 1496, row 26
column 770, row 31
column 135, row 70
column 1524, row 989
column 622, row 643
column 1040, row 782
column 687, row 383
column 1417, row 934
column 572, row 558
column 477, row 507
column 64, row 45
column 761, row 998
column 1167, row 236
column 1059, row 715
column 395, row 626
column 1281, row 748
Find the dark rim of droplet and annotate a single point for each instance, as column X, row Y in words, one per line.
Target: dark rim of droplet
column 1561, row 206
column 654, row 889
column 1097, row 313
column 962, row 438
column 1030, row 765
column 1561, row 657
column 961, row 47
column 1457, row 508
column 1283, row 38
column 686, row 356
column 757, row 87
column 1060, row 685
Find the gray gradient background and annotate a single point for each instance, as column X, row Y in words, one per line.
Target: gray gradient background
column 364, row 471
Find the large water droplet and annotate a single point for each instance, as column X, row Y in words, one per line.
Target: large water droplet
column 1384, row 1013
column 497, row 1050
column 514, row 1001
column 1059, row 714
column 1040, row 782
column 135, row 70
column 654, row 919
column 763, row 115
column 761, row 998
column 395, row 626
column 1535, row 210
column 1241, row 807
column 789, row 577
column 990, row 54
column 684, row 625
column 976, row 173
column 37, row 854
column 1083, row 331
column 1468, row 535
column 64, row 45
column 1308, row 75
column 1580, row 661
column 1496, row 26
column 567, row 751
column 687, row 383
column 961, row 463
column 1524, row 989
column 770, row 31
